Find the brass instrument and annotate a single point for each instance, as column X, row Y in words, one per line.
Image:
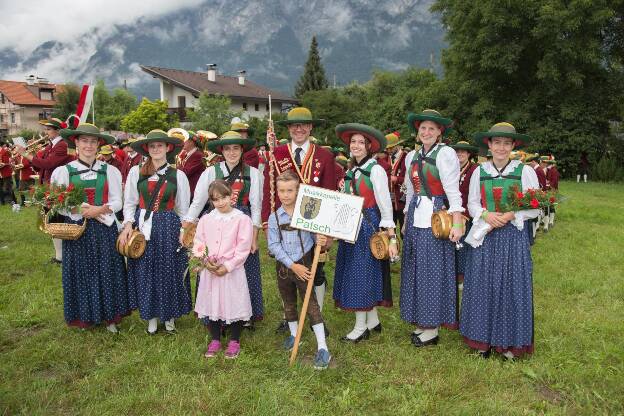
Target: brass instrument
column 34, row 145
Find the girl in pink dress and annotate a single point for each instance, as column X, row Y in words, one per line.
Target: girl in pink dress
column 223, row 295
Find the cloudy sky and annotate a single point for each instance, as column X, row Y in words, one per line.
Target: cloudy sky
column 81, row 40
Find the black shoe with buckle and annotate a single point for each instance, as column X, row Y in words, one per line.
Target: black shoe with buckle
column 282, row 327
column 417, row 342
column 365, row 335
column 377, row 328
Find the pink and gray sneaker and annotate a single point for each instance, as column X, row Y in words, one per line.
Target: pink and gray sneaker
column 233, row 349
column 213, row 348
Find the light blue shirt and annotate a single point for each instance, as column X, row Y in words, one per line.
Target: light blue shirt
column 288, row 250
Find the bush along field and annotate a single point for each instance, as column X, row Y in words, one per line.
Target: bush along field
column 47, row 368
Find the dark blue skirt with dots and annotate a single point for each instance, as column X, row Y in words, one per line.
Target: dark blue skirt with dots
column 428, row 284
column 361, row 282
column 497, row 303
column 163, row 288
column 95, row 285
column 462, row 255
column 254, row 279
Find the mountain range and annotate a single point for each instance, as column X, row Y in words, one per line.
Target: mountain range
column 270, row 40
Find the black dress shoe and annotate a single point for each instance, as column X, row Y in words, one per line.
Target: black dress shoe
column 249, row 325
column 364, row 335
column 419, row 343
column 485, row 354
column 282, row 327
column 151, row 333
column 54, row 260
column 377, row 328
column 414, row 335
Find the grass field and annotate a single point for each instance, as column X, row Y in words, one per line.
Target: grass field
column 47, row 368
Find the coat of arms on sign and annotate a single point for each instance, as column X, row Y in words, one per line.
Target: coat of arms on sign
column 310, row 207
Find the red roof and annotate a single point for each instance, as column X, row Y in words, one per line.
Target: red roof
column 21, row 93
column 197, row 82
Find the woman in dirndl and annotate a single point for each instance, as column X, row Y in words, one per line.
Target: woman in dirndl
column 95, row 284
column 497, row 301
column 428, row 286
column 157, row 195
column 362, row 282
column 466, row 153
column 246, row 184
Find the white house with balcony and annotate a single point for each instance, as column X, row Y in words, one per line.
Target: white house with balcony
column 181, row 90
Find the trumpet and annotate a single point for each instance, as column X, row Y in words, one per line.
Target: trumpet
column 34, row 145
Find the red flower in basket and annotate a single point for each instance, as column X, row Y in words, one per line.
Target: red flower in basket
column 61, row 197
column 519, row 195
column 552, row 199
column 531, row 192
column 534, row 203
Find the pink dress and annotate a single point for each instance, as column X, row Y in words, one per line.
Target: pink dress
column 228, row 237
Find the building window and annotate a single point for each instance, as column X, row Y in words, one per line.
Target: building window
column 12, row 118
column 1, row 98
column 267, row 108
column 45, row 95
column 245, row 106
column 257, row 107
column 181, row 101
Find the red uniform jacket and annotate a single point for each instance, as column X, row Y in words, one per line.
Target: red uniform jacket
column 52, row 158
column 340, row 173
column 318, row 162
column 193, row 168
column 128, row 164
column 252, row 158
column 5, row 157
column 541, row 177
column 464, row 184
column 27, row 171
column 552, row 177
column 114, row 161
column 398, row 170
column 120, row 155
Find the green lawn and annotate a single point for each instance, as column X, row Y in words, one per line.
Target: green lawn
column 577, row 368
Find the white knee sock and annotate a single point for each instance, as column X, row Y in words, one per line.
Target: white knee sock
column 585, row 178
column 578, row 178
column 112, row 328
column 293, row 326
column 170, row 325
column 319, row 291
column 372, row 319
column 428, row 334
column 152, row 325
column 360, row 325
column 319, row 331
column 509, row 355
column 58, row 248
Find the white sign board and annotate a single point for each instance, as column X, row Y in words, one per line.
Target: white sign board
column 321, row 211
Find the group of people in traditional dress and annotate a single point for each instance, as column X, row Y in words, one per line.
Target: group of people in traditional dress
column 161, row 188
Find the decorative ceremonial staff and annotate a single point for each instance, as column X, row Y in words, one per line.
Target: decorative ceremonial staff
column 272, row 141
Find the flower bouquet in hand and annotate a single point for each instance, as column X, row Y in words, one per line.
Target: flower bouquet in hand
column 530, row 199
column 200, row 259
column 56, row 198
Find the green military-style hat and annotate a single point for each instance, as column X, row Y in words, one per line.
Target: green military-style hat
column 376, row 138
column 85, row 129
column 300, row 115
column 230, row 137
column 503, row 129
column 414, row 120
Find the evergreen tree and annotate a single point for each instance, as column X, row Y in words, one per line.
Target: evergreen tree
column 313, row 78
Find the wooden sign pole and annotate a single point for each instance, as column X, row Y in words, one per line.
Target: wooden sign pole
column 304, row 307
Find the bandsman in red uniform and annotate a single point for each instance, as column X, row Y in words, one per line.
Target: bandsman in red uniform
column 396, row 175
column 313, row 165
column 533, row 161
column 6, row 175
column 107, row 154
column 54, row 155
column 191, row 159
column 466, row 153
column 133, row 158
